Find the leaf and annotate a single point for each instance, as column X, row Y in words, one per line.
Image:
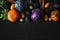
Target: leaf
column 4, row 13
column 1, row 16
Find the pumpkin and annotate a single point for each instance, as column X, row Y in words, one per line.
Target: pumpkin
column 12, row 15
column 55, row 15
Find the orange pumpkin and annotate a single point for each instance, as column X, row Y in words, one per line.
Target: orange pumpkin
column 12, row 15
column 54, row 16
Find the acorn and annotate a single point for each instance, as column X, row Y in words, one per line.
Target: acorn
column 47, row 5
column 23, row 15
column 46, row 18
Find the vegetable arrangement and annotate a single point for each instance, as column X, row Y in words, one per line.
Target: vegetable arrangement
column 28, row 10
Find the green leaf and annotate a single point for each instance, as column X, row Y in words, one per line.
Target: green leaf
column 1, row 16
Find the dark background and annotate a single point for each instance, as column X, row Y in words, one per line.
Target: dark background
column 29, row 31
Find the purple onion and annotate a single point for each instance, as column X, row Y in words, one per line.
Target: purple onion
column 35, row 15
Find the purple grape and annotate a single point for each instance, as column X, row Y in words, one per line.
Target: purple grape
column 35, row 15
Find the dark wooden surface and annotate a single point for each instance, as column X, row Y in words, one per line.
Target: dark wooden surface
column 29, row 31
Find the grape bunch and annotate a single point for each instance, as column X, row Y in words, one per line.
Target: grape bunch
column 19, row 5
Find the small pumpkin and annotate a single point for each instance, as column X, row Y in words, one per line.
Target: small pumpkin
column 55, row 15
column 12, row 15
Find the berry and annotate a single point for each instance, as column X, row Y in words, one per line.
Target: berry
column 35, row 15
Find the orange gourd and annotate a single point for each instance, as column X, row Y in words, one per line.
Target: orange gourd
column 54, row 16
column 12, row 15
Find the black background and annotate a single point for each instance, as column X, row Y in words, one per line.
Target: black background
column 29, row 31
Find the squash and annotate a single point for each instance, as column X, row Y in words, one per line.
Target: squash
column 55, row 15
column 12, row 15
